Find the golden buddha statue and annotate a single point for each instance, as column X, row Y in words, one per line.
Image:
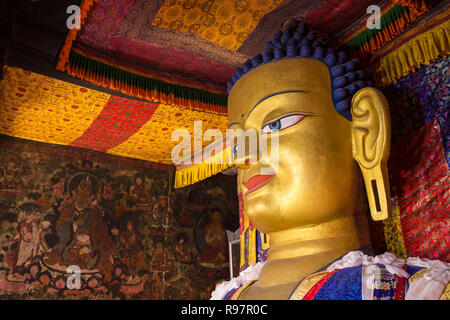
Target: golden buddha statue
column 333, row 132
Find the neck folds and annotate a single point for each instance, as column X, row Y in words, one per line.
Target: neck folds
column 298, row 252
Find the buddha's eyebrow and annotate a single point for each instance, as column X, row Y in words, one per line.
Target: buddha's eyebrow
column 232, row 124
column 271, row 95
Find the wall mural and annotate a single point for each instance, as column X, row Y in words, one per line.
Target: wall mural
column 117, row 220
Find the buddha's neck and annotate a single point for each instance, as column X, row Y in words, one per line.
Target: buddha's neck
column 297, row 252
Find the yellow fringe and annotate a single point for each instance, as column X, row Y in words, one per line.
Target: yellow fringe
column 423, row 49
column 200, row 171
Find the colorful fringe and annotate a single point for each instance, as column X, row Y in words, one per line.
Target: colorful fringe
column 143, row 87
column 147, row 71
column 394, row 19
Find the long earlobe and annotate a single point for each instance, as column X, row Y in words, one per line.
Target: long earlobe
column 371, row 137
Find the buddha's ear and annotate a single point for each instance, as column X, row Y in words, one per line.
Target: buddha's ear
column 371, row 138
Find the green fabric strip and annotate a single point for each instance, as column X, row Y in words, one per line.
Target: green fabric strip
column 138, row 81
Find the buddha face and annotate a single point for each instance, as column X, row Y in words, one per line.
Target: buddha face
column 316, row 178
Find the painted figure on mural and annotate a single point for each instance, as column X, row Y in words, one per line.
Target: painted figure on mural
column 160, row 211
column 10, row 181
column 84, row 237
column 215, row 254
column 131, row 249
column 28, row 237
column 159, row 259
column 163, row 219
column 182, row 253
column 139, row 192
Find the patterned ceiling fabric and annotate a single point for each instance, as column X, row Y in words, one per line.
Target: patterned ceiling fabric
column 170, row 58
column 334, row 15
column 119, row 120
column 137, row 25
column 103, row 21
column 102, row 31
column 40, row 108
column 225, row 22
column 129, row 33
column 44, row 109
column 153, row 140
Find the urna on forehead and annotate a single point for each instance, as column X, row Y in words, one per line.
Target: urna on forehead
column 296, row 40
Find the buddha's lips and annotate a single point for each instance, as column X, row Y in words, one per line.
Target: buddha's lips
column 257, row 182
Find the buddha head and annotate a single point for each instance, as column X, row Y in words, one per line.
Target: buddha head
column 332, row 128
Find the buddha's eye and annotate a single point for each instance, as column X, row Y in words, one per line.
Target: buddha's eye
column 282, row 123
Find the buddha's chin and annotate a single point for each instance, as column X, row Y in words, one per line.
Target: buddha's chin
column 263, row 212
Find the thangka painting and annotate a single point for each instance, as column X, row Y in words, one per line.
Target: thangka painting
column 76, row 224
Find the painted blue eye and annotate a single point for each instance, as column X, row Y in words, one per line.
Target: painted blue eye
column 282, row 123
column 276, row 125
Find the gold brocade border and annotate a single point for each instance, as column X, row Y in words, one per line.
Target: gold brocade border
column 307, row 285
column 419, row 274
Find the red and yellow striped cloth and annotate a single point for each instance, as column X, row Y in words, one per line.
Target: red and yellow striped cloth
column 45, row 109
